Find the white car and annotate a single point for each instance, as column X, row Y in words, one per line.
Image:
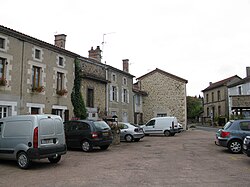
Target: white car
column 130, row 132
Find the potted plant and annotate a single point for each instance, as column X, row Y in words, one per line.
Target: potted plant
column 38, row 89
column 61, row 92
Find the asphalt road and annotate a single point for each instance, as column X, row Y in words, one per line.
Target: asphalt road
column 188, row 159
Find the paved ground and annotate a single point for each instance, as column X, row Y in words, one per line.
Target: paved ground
column 187, row 159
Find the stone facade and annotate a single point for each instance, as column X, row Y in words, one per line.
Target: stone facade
column 216, row 100
column 166, row 95
column 93, row 88
column 31, row 69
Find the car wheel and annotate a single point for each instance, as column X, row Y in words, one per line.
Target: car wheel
column 86, row 146
column 104, row 147
column 54, row 159
column 137, row 139
column 172, row 134
column 166, row 133
column 235, row 146
column 23, row 160
column 128, row 138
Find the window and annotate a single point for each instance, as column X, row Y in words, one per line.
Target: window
column 138, row 100
column 1, row 123
column 58, row 112
column 151, row 123
column 37, row 54
column 2, row 68
column 239, row 90
column 125, row 81
column 113, row 93
column 219, row 110
column 212, row 96
column 161, row 114
column 36, row 77
column 125, row 96
column 207, row 98
column 60, row 61
column 59, row 81
column 90, row 97
column 245, row 126
column 2, row 43
column 208, row 114
column 35, row 110
column 4, row 111
column 113, row 77
column 218, row 95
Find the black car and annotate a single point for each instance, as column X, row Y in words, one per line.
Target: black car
column 87, row 134
column 233, row 134
column 246, row 146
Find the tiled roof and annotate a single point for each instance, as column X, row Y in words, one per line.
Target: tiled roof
column 35, row 41
column 164, row 73
column 243, row 81
column 223, row 82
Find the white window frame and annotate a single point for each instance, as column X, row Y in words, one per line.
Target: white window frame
column 113, row 77
column 58, row 61
column 35, row 105
column 6, row 41
column 34, row 49
column 12, row 107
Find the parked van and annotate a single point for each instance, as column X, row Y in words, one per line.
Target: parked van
column 161, row 125
column 28, row 137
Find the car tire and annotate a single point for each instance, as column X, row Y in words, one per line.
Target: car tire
column 235, row 146
column 137, row 139
column 86, row 146
column 166, row 133
column 23, row 160
column 54, row 159
column 104, row 147
column 128, row 138
column 172, row 134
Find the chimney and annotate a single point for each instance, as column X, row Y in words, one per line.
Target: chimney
column 60, row 40
column 210, row 83
column 125, row 65
column 95, row 54
column 248, row 71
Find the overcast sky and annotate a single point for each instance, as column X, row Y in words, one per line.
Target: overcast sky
column 201, row 41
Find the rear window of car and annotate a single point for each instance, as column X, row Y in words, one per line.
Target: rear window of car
column 101, row 125
column 227, row 125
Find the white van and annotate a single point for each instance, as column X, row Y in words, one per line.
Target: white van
column 28, row 137
column 161, row 125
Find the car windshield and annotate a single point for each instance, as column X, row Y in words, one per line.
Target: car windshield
column 101, row 125
column 227, row 125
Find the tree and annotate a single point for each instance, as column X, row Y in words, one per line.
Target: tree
column 194, row 107
column 76, row 95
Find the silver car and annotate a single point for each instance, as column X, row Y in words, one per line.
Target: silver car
column 130, row 132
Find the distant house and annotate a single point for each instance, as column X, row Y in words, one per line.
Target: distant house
column 35, row 77
column 106, row 90
column 215, row 102
column 138, row 98
column 166, row 95
column 239, row 97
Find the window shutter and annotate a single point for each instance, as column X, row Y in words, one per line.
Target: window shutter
column 110, row 93
column 117, row 94
column 128, row 96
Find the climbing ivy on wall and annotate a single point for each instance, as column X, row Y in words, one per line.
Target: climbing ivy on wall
column 76, row 95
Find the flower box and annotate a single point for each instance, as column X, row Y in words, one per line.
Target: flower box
column 61, row 92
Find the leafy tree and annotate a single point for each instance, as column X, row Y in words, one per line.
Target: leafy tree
column 76, row 95
column 194, row 107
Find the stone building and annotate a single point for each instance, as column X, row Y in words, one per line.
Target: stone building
column 239, row 97
column 166, row 95
column 35, row 77
column 94, row 84
column 215, row 102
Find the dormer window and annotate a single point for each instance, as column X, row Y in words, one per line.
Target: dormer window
column 60, row 61
column 37, row 54
column 113, row 78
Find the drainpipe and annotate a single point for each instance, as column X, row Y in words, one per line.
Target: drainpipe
column 21, row 84
column 107, row 91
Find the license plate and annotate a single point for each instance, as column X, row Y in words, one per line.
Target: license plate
column 105, row 133
column 47, row 141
